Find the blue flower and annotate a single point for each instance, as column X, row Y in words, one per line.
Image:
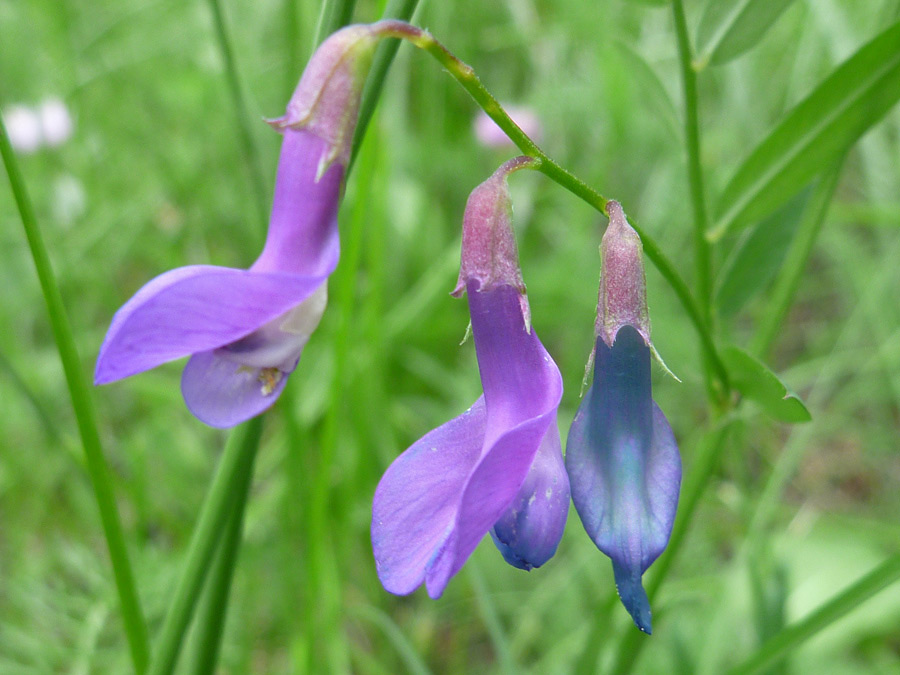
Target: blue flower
column 621, row 455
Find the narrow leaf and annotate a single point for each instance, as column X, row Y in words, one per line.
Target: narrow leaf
column 729, row 28
column 814, row 134
column 649, row 86
column 755, row 381
column 756, row 258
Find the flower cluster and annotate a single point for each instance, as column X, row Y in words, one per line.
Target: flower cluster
column 497, row 468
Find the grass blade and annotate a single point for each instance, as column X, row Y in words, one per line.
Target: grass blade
column 132, row 616
column 212, row 621
column 236, row 463
column 876, row 580
column 729, row 28
column 815, row 133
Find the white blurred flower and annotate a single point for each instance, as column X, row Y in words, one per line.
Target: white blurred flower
column 56, row 122
column 23, row 125
column 31, row 129
column 492, row 136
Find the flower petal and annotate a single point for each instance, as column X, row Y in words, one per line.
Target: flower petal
column 303, row 229
column 522, row 390
column 417, row 499
column 223, row 393
column 529, row 532
column 194, row 309
column 624, row 467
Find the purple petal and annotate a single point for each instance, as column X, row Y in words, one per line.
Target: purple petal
column 223, row 393
column 624, row 467
column 417, row 499
column 194, row 309
column 522, row 390
column 303, row 232
column 529, row 532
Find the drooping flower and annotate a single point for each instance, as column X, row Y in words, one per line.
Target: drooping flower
column 621, row 454
column 245, row 329
column 498, row 466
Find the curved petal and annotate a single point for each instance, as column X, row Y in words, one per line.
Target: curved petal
column 624, row 467
column 223, row 393
column 303, row 228
column 417, row 499
column 522, row 391
column 194, row 309
column 528, row 534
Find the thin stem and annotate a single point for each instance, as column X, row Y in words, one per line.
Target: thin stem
column 792, row 636
column 785, row 287
column 248, row 147
column 704, row 466
column 235, row 464
column 695, row 170
column 212, row 619
column 702, row 257
column 384, row 56
column 132, row 616
column 465, row 75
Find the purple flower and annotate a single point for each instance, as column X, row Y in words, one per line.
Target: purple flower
column 621, row 455
column 245, row 329
column 498, row 466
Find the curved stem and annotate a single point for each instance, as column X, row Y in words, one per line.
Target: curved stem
column 132, row 616
column 396, row 9
column 465, row 75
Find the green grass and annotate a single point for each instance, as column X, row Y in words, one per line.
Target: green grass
column 791, row 516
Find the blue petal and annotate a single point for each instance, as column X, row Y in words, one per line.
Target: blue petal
column 624, row 467
column 528, row 534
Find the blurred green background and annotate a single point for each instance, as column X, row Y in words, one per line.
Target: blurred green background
column 155, row 176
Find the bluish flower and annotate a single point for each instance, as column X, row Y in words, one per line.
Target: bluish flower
column 621, row 455
column 498, row 466
column 245, row 329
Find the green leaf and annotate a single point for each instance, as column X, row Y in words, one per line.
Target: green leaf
column 648, row 85
column 729, row 28
column 756, row 258
column 755, row 381
column 814, row 134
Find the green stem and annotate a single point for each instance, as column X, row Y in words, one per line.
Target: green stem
column 792, row 636
column 132, row 616
column 695, row 171
column 785, row 287
column 248, row 147
column 212, row 620
column 465, row 75
column 702, row 255
column 704, row 466
column 235, row 464
column 396, row 9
